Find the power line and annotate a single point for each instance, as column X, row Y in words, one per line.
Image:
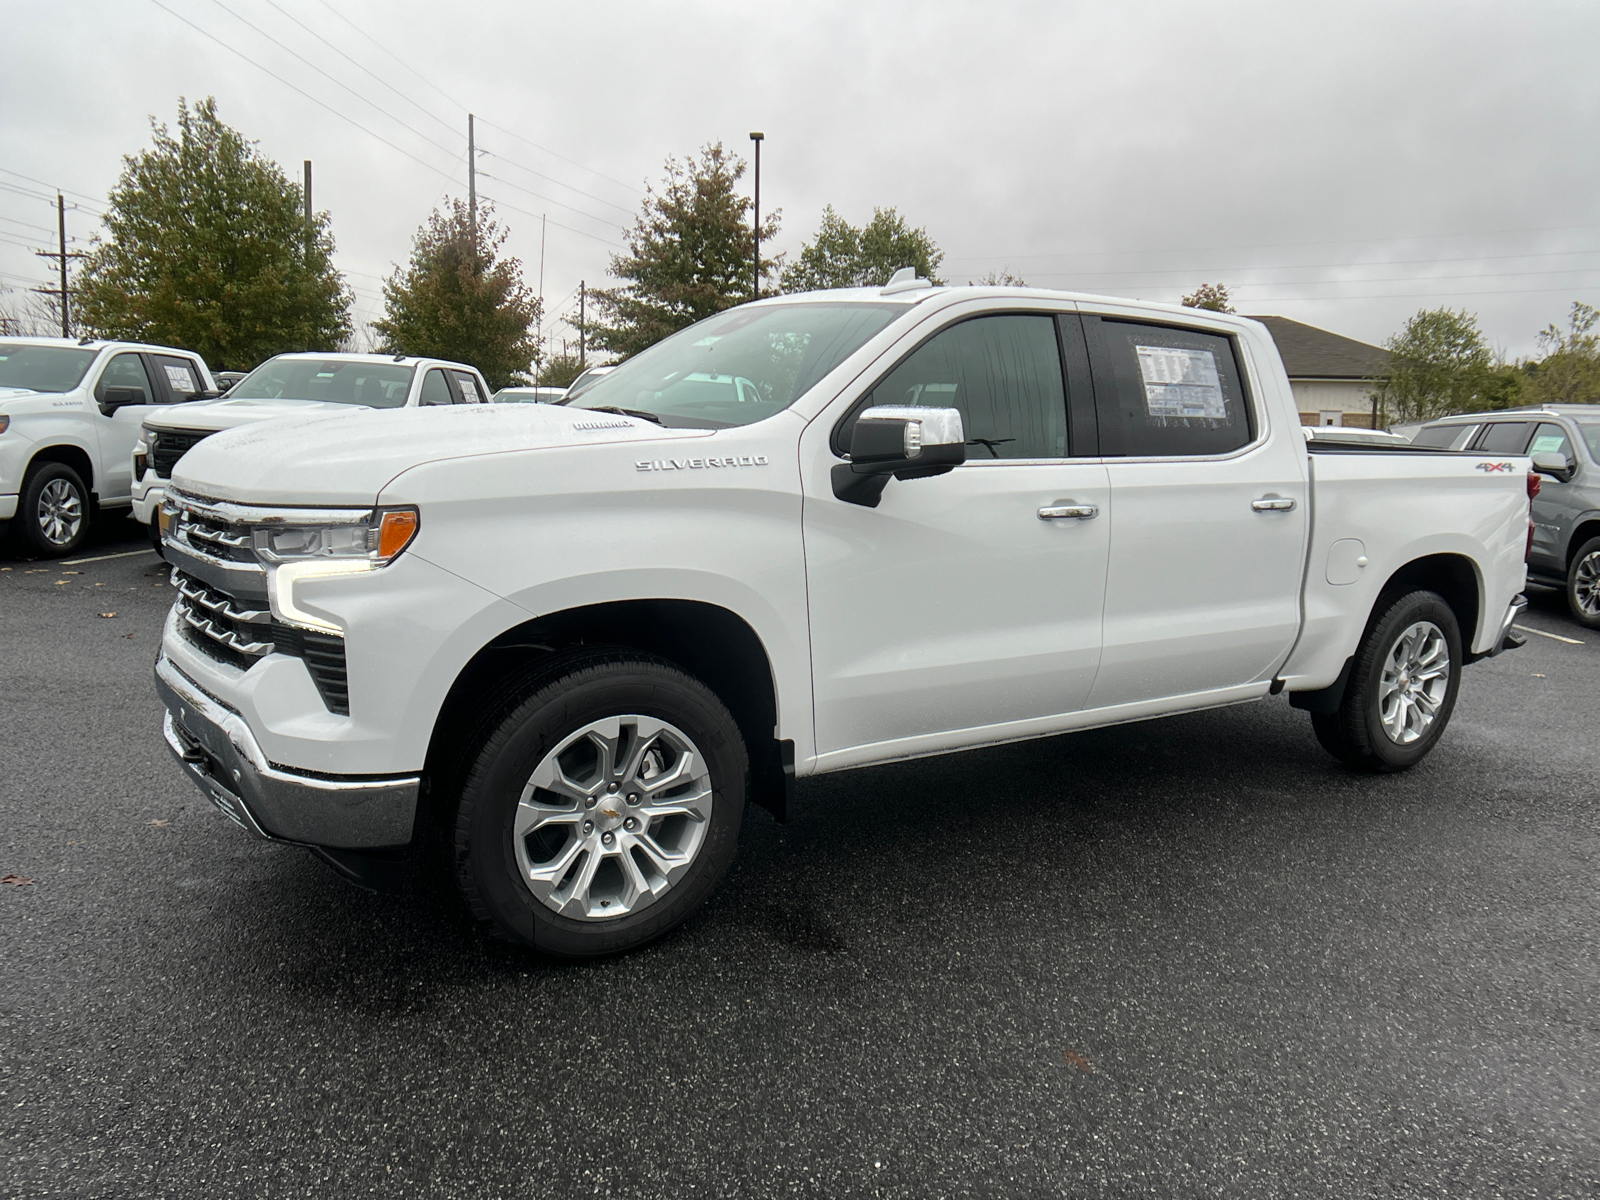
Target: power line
column 392, row 54
column 1391, row 262
column 90, row 199
column 557, row 224
column 1419, row 295
column 319, row 103
column 513, row 162
column 562, row 157
column 541, row 196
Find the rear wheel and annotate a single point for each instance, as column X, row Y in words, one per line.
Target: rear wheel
column 53, row 510
column 1402, row 686
column 1583, row 584
column 602, row 807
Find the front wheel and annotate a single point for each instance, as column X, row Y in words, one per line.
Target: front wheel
column 602, row 808
column 1402, row 686
column 54, row 510
column 1583, row 584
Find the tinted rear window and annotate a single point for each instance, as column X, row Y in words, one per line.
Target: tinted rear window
column 1506, row 437
column 1444, row 437
column 1170, row 392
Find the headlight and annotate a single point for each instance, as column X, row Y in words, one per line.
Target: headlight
column 292, row 553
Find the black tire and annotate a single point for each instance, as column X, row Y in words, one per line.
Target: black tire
column 1582, row 597
column 39, row 505
column 154, row 530
column 559, row 701
column 1356, row 735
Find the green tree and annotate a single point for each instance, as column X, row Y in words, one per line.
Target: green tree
column 1210, row 296
column 1569, row 373
column 1002, row 278
column 1440, row 364
column 842, row 255
column 559, row 370
column 458, row 299
column 207, row 247
column 689, row 256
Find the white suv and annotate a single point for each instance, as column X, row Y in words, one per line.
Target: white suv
column 69, row 416
column 294, row 385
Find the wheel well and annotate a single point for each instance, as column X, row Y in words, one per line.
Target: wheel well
column 1580, row 535
column 1453, row 577
column 67, row 456
column 713, row 644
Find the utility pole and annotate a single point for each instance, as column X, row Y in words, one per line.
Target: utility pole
column 472, row 180
column 62, row 255
column 583, row 295
column 541, row 282
column 757, row 137
column 309, row 227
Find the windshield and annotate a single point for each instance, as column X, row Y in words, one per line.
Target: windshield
column 740, row 366
column 43, row 368
column 1590, row 432
column 374, row 384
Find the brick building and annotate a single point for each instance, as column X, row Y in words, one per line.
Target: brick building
column 1332, row 375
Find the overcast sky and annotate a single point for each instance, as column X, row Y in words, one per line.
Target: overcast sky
column 1342, row 164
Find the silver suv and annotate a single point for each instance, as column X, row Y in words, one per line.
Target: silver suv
column 1564, row 442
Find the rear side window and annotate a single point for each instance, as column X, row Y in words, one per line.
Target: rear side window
column 1445, row 437
column 1004, row 375
column 467, row 388
column 181, row 376
column 1506, row 437
column 435, row 390
column 1164, row 392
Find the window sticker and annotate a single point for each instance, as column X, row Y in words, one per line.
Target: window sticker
column 1549, row 444
column 181, row 380
column 469, row 390
column 1181, row 383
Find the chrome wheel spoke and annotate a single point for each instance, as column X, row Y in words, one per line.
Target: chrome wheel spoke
column 1414, row 683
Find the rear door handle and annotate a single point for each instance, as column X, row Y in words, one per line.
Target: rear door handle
column 1272, row 504
column 1068, row 512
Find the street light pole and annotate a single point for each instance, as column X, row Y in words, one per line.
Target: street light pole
column 757, row 136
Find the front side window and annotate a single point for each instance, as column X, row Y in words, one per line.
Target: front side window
column 125, row 371
column 738, row 367
column 374, row 385
column 1589, row 431
column 43, row 368
column 1166, row 392
column 435, row 389
column 1444, row 437
column 1550, row 438
column 1003, row 373
column 1506, row 437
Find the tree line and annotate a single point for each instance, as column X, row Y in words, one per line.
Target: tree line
column 207, row 245
column 1440, row 363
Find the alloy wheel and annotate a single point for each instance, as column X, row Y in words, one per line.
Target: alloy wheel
column 1586, row 584
column 612, row 818
column 1415, row 682
column 60, row 512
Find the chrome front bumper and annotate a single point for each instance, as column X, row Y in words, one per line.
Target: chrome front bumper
column 217, row 750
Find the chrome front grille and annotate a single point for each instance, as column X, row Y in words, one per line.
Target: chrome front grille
column 224, row 629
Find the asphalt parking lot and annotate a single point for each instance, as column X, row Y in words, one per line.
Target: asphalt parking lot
column 1191, row 957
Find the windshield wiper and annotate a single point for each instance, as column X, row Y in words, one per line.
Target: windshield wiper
column 627, row 412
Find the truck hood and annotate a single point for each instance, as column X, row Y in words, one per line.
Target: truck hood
column 348, row 457
column 215, row 415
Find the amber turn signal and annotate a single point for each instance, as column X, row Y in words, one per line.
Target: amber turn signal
column 395, row 532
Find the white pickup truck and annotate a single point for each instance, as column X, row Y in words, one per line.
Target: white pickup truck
column 293, row 385
column 568, row 643
column 69, row 417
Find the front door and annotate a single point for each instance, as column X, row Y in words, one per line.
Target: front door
column 118, row 428
column 1203, row 588
column 954, row 605
column 1555, row 506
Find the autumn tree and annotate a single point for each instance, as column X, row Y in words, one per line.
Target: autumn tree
column 1569, row 373
column 207, row 247
column 689, row 255
column 1440, row 364
column 841, row 255
column 459, row 299
column 1212, row 297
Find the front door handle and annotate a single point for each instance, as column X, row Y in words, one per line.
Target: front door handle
column 1272, row 504
column 1069, row 512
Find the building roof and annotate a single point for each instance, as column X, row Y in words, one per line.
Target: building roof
column 1312, row 353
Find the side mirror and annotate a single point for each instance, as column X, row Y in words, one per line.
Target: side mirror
column 899, row 441
column 1557, row 466
column 121, row 397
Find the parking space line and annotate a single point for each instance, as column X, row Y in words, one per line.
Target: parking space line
column 78, row 562
column 1554, row 636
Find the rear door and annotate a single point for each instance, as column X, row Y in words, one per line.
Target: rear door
column 1203, row 586
column 467, row 388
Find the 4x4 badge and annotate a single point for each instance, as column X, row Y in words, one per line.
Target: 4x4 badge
column 1499, row 466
